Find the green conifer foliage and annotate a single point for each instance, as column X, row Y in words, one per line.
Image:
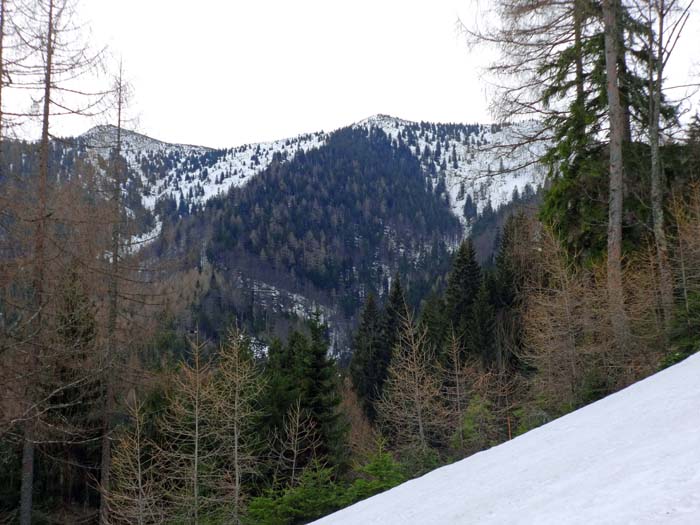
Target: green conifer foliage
column 390, row 329
column 508, row 284
column 322, row 393
column 462, row 287
column 301, row 371
column 434, row 320
column 366, row 346
column 479, row 336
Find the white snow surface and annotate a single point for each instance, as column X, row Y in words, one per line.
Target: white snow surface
column 631, row 458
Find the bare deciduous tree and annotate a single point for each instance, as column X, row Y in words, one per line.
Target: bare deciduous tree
column 362, row 437
column 188, row 451
column 297, row 447
column 665, row 20
column 456, row 387
column 55, row 60
column 412, row 409
column 686, row 260
column 236, row 387
column 135, row 494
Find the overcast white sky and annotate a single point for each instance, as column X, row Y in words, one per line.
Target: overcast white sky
column 222, row 73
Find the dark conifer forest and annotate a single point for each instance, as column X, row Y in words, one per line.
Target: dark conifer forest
column 269, row 333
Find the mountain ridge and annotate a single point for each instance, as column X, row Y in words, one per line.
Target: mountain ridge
column 191, row 205
column 467, row 159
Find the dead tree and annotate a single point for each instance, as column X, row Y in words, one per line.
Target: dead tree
column 412, row 410
column 296, row 447
column 234, row 391
column 49, row 37
column 135, row 493
column 114, row 276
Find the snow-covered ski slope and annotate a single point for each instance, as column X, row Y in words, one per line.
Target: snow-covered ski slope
column 631, row 458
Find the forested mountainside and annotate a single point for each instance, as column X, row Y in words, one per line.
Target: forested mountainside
column 332, row 224
column 266, row 334
column 491, row 346
column 319, row 229
column 275, row 231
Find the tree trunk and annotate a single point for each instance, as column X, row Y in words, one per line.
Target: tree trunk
column 236, row 458
column 39, row 275
column 622, row 73
column 195, row 469
column 25, row 513
column 578, row 46
column 111, row 349
column 617, row 130
column 656, row 67
column 3, row 15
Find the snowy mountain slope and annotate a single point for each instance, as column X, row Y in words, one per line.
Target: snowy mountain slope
column 467, row 157
column 253, row 237
column 196, row 173
column 480, row 161
column 633, row 457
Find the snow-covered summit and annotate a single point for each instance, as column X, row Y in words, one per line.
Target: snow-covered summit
column 467, row 159
column 105, row 136
column 632, row 458
column 192, row 173
column 383, row 121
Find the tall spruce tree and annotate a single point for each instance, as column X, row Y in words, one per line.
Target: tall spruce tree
column 462, row 286
column 508, row 285
column 280, row 376
column 363, row 366
column 301, row 372
column 390, row 329
column 321, row 391
column 433, row 319
column 479, row 333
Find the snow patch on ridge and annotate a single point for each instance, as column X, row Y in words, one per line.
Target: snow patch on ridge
column 488, row 164
column 193, row 173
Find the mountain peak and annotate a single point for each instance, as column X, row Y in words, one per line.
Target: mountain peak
column 105, row 136
column 381, row 120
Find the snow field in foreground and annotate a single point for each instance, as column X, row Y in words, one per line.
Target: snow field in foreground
column 631, row 458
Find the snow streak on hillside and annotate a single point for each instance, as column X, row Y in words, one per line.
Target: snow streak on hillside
column 473, row 160
column 632, row 458
column 488, row 163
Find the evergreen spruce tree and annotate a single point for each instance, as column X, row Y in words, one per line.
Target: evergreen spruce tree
column 435, row 323
column 321, row 393
column 508, row 285
column 470, row 210
column 280, row 375
column 462, row 286
column 363, row 367
column 479, row 333
column 390, row 329
column 301, row 372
